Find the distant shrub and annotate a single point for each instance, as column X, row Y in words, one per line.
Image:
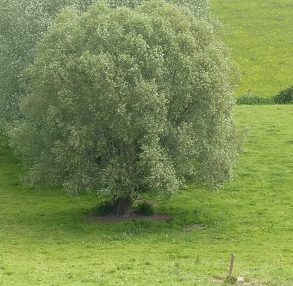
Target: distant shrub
column 250, row 99
column 144, row 208
column 284, row 97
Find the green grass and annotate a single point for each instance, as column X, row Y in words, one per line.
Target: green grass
column 45, row 240
column 260, row 35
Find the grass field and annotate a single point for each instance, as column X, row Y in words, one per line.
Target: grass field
column 45, row 240
column 260, row 35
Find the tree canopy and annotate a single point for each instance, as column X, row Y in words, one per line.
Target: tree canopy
column 124, row 101
column 22, row 25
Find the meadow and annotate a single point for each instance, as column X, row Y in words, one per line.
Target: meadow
column 45, row 238
column 260, row 36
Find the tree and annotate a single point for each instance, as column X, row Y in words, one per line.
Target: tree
column 125, row 101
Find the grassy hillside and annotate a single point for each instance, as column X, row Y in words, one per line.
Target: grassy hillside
column 45, row 240
column 260, row 35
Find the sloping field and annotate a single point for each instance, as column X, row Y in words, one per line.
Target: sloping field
column 260, row 35
column 46, row 240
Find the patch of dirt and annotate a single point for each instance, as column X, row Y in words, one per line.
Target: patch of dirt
column 108, row 219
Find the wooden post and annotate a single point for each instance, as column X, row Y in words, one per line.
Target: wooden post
column 232, row 258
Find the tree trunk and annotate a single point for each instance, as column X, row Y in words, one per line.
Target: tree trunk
column 122, row 206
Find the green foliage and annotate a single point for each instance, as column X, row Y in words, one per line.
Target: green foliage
column 199, row 8
column 250, row 99
column 284, row 97
column 47, row 230
column 23, row 23
column 144, row 208
column 124, row 101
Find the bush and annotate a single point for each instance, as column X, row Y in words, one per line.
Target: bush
column 144, row 208
column 250, row 99
column 284, row 97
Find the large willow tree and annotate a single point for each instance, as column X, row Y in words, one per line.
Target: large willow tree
column 123, row 101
